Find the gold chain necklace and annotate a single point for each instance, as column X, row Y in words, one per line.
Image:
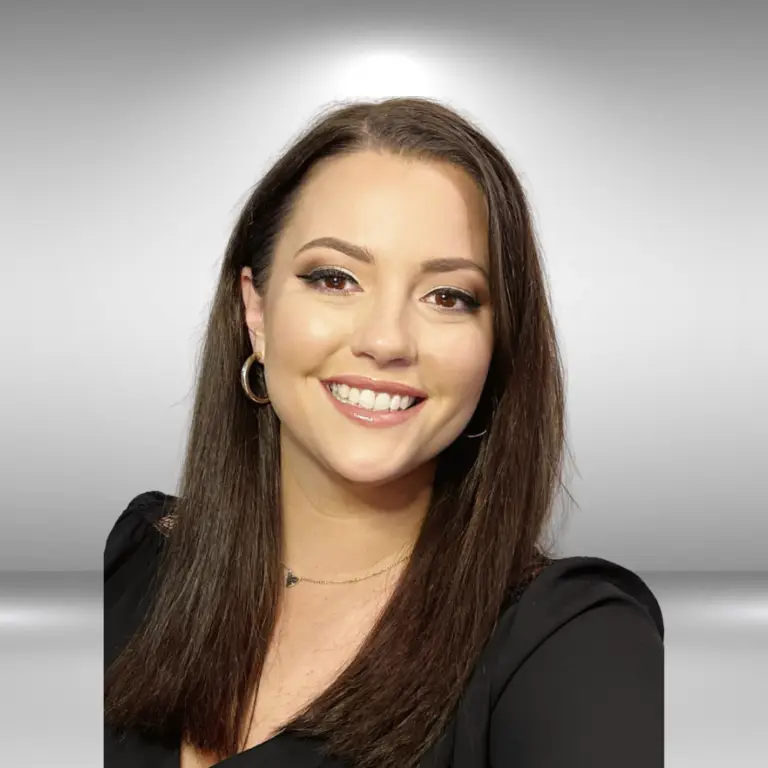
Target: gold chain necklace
column 292, row 579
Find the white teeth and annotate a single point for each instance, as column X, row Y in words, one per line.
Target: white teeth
column 370, row 400
column 367, row 399
column 381, row 403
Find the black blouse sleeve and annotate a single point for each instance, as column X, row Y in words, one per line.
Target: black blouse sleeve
column 591, row 692
column 130, row 560
column 129, row 530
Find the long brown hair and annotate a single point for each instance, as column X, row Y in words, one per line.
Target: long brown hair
column 196, row 660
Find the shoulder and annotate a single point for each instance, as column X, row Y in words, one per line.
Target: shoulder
column 141, row 526
column 568, row 588
column 131, row 558
column 578, row 669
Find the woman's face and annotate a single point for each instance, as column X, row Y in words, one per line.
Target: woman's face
column 377, row 338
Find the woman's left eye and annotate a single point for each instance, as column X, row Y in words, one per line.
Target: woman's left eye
column 453, row 300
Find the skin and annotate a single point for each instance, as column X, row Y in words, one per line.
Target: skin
column 354, row 496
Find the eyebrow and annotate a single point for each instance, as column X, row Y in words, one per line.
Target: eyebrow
column 361, row 253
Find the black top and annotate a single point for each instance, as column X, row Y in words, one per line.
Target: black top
column 572, row 676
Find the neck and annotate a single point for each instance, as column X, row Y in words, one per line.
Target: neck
column 334, row 529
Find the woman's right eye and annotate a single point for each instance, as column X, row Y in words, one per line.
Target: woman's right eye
column 329, row 280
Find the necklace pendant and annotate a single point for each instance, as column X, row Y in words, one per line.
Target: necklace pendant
column 290, row 580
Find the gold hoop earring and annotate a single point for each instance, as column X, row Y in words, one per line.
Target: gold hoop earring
column 244, row 371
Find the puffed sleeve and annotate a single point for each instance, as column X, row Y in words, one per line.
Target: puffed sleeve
column 130, row 559
column 129, row 529
column 591, row 695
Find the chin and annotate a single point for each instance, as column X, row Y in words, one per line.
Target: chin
column 369, row 472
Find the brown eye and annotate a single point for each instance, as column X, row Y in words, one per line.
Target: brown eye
column 453, row 300
column 334, row 282
column 330, row 280
column 445, row 299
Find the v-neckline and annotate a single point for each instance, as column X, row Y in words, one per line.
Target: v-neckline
column 283, row 749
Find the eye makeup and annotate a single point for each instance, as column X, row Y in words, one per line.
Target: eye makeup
column 315, row 278
column 454, row 294
column 330, row 280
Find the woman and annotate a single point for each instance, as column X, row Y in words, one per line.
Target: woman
column 352, row 572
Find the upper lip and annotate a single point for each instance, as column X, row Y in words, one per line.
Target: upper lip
column 377, row 385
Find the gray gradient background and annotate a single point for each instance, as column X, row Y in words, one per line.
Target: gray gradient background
column 131, row 133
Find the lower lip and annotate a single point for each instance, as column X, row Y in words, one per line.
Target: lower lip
column 374, row 418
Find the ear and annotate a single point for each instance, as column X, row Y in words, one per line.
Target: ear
column 253, row 304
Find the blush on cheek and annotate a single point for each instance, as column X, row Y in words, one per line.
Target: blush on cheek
column 462, row 365
column 304, row 334
column 472, row 388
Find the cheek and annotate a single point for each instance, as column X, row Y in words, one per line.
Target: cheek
column 458, row 364
column 301, row 335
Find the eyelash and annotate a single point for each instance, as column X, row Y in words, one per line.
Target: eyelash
column 314, row 278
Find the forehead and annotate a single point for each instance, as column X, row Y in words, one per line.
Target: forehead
column 384, row 201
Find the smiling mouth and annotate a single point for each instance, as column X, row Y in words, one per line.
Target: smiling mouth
column 369, row 400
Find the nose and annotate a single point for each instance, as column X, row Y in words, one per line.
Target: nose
column 384, row 334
